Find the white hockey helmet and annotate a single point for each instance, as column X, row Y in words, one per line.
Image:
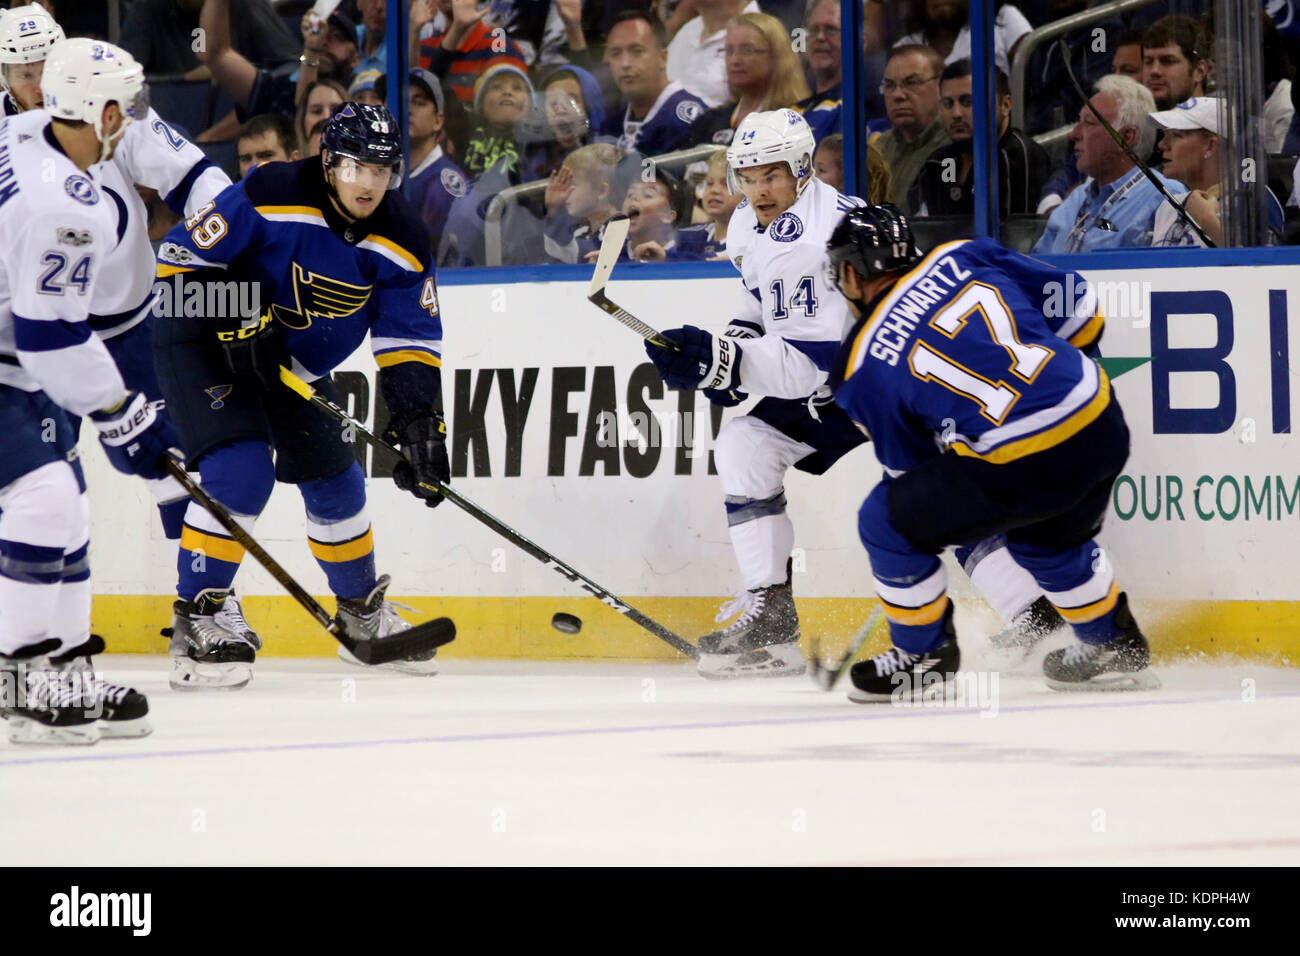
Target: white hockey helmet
column 776, row 136
column 27, row 33
column 83, row 76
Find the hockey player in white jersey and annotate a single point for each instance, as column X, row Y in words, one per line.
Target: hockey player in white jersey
column 56, row 228
column 780, row 344
column 151, row 154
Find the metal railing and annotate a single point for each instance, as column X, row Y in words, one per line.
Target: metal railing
column 502, row 200
column 1032, row 40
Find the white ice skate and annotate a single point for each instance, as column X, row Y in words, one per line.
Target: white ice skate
column 44, row 706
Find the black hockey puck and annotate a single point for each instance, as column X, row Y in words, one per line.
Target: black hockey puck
column 566, row 623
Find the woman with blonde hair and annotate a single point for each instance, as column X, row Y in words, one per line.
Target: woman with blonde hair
column 763, row 73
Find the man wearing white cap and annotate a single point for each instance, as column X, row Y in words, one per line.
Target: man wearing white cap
column 1189, row 143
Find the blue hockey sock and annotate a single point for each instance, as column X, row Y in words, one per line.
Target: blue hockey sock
column 338, row 531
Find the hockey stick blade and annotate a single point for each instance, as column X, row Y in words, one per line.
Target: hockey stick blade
column 611, row 245
column 420, row 639
column 828, row 677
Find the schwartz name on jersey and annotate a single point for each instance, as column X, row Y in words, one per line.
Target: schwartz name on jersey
column 786, row 301
column 977, row 350
column 325, row 282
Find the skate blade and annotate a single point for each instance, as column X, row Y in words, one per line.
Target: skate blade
column 409, row 668
column 1137, row 680
column 928, row 691
column 123, row 729
column 190, row 675
column 24, row 730
column 777, row 661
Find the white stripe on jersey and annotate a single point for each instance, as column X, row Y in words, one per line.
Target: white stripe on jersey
column 387, row 253
column 382, row 344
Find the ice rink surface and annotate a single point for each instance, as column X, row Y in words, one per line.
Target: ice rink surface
column 644, row 764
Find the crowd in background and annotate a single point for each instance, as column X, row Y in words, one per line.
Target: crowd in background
column 574, row 96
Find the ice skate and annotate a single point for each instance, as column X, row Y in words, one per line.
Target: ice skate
column 231, row 617
column 763, row 641
column 897, row 673
column 1030, row 627
column 42, row 706
column 205, row 654
column 1120, row 664
column 372, row 617
column 123, row 711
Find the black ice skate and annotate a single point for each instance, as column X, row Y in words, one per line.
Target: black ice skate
column 762, row 642
column 1029, row 627
column 898, row 674
column 205, row 654
column 41, row 705
column 372, row 617
column 1120, row 664
column 123, row 711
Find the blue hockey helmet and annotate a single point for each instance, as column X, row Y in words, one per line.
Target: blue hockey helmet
column 366, row 134
column 874, row 240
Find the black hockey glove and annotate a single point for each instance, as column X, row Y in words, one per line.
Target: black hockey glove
column 423, row 441
column 728, row 398
column 256, row 351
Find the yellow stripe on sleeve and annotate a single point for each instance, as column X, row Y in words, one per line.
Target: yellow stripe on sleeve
column 398, row 356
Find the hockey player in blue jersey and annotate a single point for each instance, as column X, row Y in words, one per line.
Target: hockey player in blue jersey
column 335, row 253
column 56, row 232
column 988, row 418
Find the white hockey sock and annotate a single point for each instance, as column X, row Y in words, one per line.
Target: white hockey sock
column 1005, row 585
column 762, row 548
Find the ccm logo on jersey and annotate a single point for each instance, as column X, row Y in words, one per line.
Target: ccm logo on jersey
column 73, row 237
column 787, row 227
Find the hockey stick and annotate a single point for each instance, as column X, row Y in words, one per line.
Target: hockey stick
column 610, row 247
column 510, row 534
column 1129, row 152
column 826, row 677
column 379, row 650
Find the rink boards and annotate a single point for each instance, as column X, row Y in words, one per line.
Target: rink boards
column 561, row 429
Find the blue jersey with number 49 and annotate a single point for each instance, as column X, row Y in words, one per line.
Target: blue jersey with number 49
column 978, row 350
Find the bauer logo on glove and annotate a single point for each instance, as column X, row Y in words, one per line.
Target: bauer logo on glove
column 702, row 360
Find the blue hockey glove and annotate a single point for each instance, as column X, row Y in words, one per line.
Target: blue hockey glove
column 135, row 436
column 423, row 441
column 702, row 360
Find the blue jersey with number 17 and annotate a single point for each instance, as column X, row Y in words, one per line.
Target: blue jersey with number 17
column 977, row 350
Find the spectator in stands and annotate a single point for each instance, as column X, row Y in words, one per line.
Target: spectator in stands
column 695, row 56
column 160, row 34
column 762, row 74
column 708, row 240
column 1189, row 142
column 502, row 98
column 1175, row 60
column 655, row 208
column 880, row 178
column 828, row 161
column 945, row 26
column 371, row 43
column 911, row 91
column 658, row 113
column 433, row 182
column 469, row 46
column 1127, row 60
column 944, row 187
column 267, row 138
column 1278, row 73
column 327, row 54
column 322, row 98
column 313, row 138
column 1115, row 206
column 574, row 110
column 579, row 201
column 822, row 36
column 365, row 88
